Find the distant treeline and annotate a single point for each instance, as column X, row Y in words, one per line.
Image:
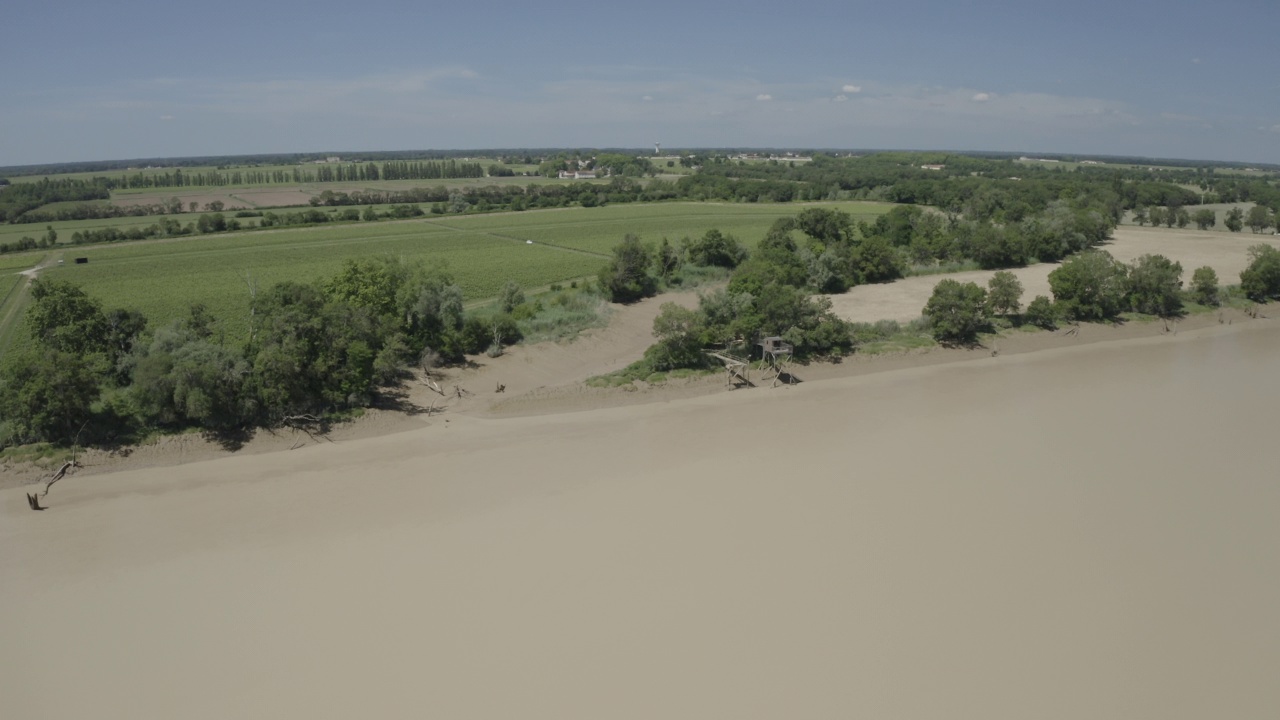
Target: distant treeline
column 328, row 172
column 18, row 199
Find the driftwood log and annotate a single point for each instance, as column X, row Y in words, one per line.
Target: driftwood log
column 61, row 473
column 33, row 502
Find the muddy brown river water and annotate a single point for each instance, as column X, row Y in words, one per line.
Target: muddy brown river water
column 1082, row 533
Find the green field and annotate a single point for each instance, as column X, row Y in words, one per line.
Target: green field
column 161, row 277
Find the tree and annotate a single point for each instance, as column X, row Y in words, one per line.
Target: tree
column 1204, row 286
column 510, row 297
column 64, row 318
column 1205, row 218
column 678, row 330
column 1140, row 215
column 668, row 259
column 1089, row 286
column 825, row 226
column 47, row 396
column 1261, row 280
column 1155, row 286
column 209, row 223
column 1042, row 313
column 1004, row 292
column 181, row 378
column 957, row 312
column 875, row 259
column 51, row 235
column 715, row 248
column 1157, row 215
column 1181, row 217
column 626, row 277
column 1259, row 218
column 1234, row 219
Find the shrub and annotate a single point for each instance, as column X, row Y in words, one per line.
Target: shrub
column 1042, row 313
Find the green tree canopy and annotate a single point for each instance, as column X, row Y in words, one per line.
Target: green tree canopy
column 1089, row 286
column 1234, row 219
column 626, row 278
column 1155, row 286
column 1204, row 218
column 716, row 248
column 1004, row 293
column 1259, row 218
column 1204, row 285
column 956, row 311
column 64, row 318
column 1261, row 280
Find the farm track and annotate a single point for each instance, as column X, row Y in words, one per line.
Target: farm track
column 13, row 301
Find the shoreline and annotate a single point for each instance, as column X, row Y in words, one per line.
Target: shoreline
column 171, row 451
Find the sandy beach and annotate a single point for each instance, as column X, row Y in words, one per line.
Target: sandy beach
column 1081, row 524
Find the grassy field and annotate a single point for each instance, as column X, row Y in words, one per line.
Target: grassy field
column 162, row 277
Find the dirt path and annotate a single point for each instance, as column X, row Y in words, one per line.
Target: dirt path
column 15, row 300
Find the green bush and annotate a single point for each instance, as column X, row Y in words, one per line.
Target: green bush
column 1041, row 312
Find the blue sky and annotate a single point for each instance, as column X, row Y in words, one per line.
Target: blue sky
column 94, row 81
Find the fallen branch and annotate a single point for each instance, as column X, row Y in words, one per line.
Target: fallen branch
column 300, row 422
column 61, row 473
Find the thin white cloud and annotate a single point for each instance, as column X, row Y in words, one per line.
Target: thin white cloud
column 1187, row 120
column 1274, row 128
column 647, row 98
column 166, row 117
column 851, row 89
column 981, row 97
column 764, row 97
column 1195, row 61
column 840, row 98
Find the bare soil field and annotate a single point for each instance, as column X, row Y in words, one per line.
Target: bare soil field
column 275, row 197
column 202, row 198
column 902, row 300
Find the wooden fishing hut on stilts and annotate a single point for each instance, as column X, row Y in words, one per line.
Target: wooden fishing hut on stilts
column 775, row 355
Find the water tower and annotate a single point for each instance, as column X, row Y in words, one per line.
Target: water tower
column 657, row 148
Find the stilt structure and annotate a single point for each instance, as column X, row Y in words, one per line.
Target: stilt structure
column 774, row 357
column 737, row 370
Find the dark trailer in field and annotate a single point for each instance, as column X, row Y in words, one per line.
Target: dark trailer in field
column 82, row 261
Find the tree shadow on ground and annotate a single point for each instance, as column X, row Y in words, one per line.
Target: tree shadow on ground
column 231, row 439
column 396, row 399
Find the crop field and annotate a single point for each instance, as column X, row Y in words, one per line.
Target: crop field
column 20, row 261
column 482, row 252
